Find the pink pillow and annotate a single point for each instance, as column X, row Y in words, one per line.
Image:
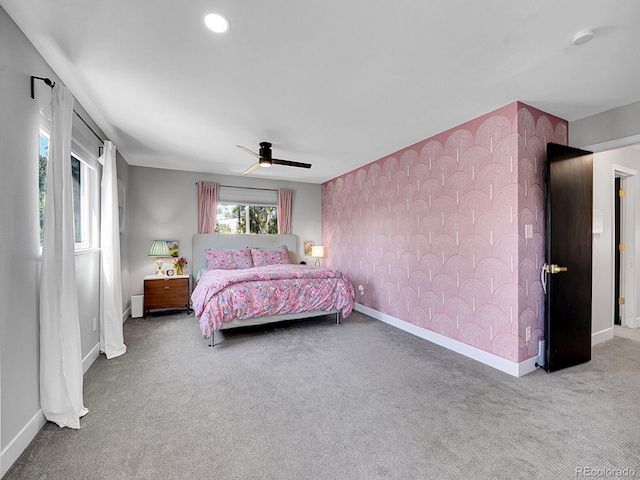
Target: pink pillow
column 262, row 257
column 228, row 259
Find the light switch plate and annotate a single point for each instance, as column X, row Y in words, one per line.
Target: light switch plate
column 528, row 231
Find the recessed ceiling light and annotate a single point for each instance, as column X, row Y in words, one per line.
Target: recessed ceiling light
column 216, row 23
column 582, row 37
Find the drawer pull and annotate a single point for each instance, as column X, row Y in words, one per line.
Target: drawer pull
column 167, row 288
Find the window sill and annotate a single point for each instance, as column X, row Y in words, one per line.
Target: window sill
column 86, row 251
column 78, row 252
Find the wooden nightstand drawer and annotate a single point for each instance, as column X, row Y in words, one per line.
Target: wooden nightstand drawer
column 166, row 292
column 173, row 284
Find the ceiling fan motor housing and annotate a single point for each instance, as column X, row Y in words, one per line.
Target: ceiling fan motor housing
column 266, row 160
column 265, row 150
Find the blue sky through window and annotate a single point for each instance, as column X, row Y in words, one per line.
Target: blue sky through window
column 44, row 146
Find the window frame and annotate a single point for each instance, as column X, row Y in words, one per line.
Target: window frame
column 88, row 197
column 86, row 172
column 247, row 206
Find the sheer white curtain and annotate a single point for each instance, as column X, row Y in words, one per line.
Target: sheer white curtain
column 60, row 350
column 111, row 337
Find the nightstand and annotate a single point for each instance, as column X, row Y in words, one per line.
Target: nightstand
column 166, row 292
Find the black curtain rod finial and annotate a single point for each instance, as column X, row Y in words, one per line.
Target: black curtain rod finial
column 47, row 81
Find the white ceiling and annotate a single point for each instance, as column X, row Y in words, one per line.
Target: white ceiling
column 334, row 83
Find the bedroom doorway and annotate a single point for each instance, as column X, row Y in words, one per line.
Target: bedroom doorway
column 623, row 225
column 568, row 276
column 618, row 194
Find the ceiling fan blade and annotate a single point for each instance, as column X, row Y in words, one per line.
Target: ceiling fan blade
column 251, row 168
column 289, row 163
column 248, row 151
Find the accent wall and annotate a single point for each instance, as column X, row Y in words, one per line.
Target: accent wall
column 448, row 234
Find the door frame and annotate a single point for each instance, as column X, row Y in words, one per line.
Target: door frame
column 628, row 237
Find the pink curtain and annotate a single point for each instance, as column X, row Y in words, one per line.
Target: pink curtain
column 285, row 207
column 207, row 206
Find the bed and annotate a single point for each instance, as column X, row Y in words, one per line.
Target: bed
column 244, row 280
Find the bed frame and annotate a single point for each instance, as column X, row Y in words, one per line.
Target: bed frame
column 201, row 242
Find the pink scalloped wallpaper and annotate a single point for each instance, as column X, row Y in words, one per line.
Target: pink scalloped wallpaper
column 436, row 232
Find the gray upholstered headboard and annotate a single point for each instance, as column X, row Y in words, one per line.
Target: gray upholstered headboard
column 202, row 241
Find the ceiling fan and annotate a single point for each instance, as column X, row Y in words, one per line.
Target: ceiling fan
column 266, row 160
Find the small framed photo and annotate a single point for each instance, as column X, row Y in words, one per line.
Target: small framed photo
column 173, row 248
column 307, row 246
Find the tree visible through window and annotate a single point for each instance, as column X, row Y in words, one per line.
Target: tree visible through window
column 246, row 219
column 44, row 154
column 76, row 173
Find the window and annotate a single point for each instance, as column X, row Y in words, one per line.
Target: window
column 259, row 219
column 81, row 173
column 78, row 210
column 247, row 210
column 42, row 168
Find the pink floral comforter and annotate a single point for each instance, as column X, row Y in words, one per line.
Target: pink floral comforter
column 223, row 295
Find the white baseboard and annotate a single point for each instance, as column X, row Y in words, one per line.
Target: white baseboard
column 528, row 366
column 126, row 314
column 16, row 446
column 499, row 363
column 626, row 332
column 90, row 358
column 601, row 336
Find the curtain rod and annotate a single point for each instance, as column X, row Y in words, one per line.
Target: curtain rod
column 248, row 188
column 88, row 126
column 47, row 81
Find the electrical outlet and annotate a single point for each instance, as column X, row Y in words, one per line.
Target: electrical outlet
column 528, row 334
column 95, row 324
column 361, row 289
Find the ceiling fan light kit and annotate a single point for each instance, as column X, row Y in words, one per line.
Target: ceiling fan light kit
column 265, row 159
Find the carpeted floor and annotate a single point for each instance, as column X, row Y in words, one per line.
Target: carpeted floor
column 312, row 400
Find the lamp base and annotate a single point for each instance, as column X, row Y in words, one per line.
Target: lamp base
column 159, row 273
column 317, row 264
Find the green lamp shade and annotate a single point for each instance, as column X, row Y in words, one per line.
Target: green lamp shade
column 159, row 248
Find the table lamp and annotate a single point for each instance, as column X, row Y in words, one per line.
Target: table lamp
column 317, row 251
column 159, row 249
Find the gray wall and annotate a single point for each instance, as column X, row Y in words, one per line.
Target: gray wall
column 607, row 128
column 19, row 231
column 123, row 175
column 163, row 204
column 20, row 415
